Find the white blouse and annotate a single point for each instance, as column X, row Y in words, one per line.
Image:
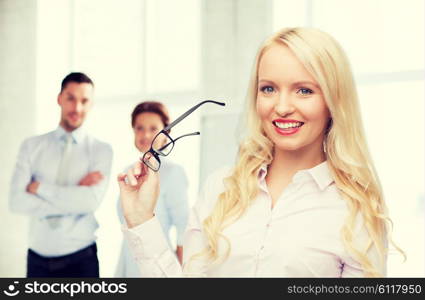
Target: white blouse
column 299, row 237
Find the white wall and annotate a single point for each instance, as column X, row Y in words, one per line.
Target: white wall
column 17, row 106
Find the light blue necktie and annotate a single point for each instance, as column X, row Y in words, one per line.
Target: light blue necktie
column 63, row 170
column 62, row 176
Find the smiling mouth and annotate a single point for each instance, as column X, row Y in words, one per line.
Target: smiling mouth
column 287, row 125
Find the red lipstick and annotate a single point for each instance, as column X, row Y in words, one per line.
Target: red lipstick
column 287, row 131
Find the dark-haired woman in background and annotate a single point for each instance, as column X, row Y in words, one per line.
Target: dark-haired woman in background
column 147, row 119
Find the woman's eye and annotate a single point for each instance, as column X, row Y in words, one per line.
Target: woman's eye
column 304, row 91
column 267, row 89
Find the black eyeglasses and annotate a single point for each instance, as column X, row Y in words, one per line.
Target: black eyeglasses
column 151, row 158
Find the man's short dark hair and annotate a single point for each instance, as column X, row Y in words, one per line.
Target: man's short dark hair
column 75, row 77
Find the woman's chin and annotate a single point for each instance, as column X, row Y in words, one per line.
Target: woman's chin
column 287, row 146
column 143, row 149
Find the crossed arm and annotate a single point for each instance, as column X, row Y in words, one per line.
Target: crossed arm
column 40, row 199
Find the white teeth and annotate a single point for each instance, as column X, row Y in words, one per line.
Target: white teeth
column 287, row 125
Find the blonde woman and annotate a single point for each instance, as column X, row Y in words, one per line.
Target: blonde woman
column 303, row 199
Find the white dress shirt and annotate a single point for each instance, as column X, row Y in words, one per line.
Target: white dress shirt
column 172, row 209
column 71, row 206
column 299, row 237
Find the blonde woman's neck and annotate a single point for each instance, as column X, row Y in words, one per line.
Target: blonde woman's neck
column 284, row 166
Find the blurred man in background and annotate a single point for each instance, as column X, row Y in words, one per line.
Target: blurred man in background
column 59, row 181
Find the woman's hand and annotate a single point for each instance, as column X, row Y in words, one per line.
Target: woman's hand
column 139, row 190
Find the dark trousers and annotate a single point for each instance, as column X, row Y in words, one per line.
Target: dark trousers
column 83, row 263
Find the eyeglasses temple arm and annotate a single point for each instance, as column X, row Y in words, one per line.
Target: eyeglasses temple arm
column 182, row 136
column 172, row 124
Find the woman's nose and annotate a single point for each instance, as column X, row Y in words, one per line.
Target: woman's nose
column 146, row 136
column 284, row 105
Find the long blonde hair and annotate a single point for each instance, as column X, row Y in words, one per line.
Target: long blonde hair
column 345, row 147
